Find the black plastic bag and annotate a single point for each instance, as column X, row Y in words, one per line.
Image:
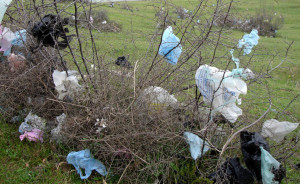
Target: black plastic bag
column 250, row 143
column 231, row 172
column 49, row 30
column 123, row 62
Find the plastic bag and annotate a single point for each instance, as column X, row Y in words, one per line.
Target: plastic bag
column 271, row 170
column 3, row 7
column 249, row 41
column 25, row 127
column 196, row 145
column 159, row 95
column 32, row 121
column 277, row 130
column 34, row 135
column 170, row 47
column 16, row 62
column 122, row 61
column 83, row 160
column 6, row 37
column 56, row 132
column 20, row 38
column 66, row 85
column 223, row 100
column 250, row 145
column 232, row 172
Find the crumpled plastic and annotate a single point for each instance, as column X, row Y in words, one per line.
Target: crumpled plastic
column 20, row 38
column 16, row 62
column 6, row 38
column 32, row 121
column 249, row 41
column 232, row 172
column 250, row 146
column 50, row 29
column 66, row 85
column 277, row 130
column 3, row 7
column 159, row 95
column 123, row 62
column 170, row 47
column 34, row 135
column 223, row 100
column 56, row 132
column 271, row 170
column 83, row 159
column 196, row 145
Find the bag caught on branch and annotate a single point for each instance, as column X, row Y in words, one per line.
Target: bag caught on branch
column 196, row 145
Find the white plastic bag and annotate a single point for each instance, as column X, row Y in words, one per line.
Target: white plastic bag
column 159, row 95
column 277, row 130
column 196, row 145
column 221, row 90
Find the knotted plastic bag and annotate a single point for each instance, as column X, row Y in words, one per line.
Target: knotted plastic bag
column 249, row 41
column 196, row 145
column 170, row 47
column 83, row 160
column 231, row 172
column 271, row 170
column 3, row 7
column 250, row 146
column 221, row 89
column 277, row 130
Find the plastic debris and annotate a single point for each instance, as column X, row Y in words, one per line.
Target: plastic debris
column 271, row 170
column 249, row 41
column 16, row 62
column 232, row 172
column 196, row 145
column 83, row 159
column 277, row 130
column 250, row 145
column 56, row 134
column 170, row 46
column 158, row 95
column 66, row 85
column 6, row 38
column 25, row 127
column 34, row 135
column 34, row 121
column 123, row 62
column 20, row 38
column 102, row 124
column 50, row 29
column 221, row 94
column 3, row 7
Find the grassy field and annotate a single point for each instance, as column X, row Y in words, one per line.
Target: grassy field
column 25, row 162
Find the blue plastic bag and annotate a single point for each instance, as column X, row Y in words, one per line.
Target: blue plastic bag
column 170, row 47
column 196, row 144
column 83, row 159
column 249, row 41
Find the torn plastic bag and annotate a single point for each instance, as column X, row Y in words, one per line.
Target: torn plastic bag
column 271, row 170
column 222, row 94
column 50, row 29
column 158, row 95
column 6, row 37
column 66, row 85
column 250, row 146
column 249, row 41
column 34, row 135
column 123, row 62
column 83, row 160
column 196, row 145
column 56, row 134
column 170, row 47
column 232, row 172
column 3, row 7
column 277, row 130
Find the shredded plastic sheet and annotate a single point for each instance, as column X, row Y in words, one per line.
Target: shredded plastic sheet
column 83, row 160
column 56, row 132
column 231, row 171
column 66, row 85
column 159, row 95
column 170, row 47
column 34, row 135
column 250, row 146
column 277, row 130
column 3, row 7
column 196, row 145
column 6, row 38
column 222, row 94
column 269, row 166
column 249, row 41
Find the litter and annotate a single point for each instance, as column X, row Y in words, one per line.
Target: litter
column 34, row 135
column 49, row 30
column 66, row 85
column 277, row 130
column 6, row 38
column 221, row 94
column 83, row 159
column 123, row 62
column 20, row 38
column 196, row 145
column 249, row 41
column 3, row 7
column 25, row 127
column 170, row 46
column 158, row 95
column 232, row 172
column 271, row 170
column 34, row 121
column 250, row 146
column 16, row 62
column 56, row 134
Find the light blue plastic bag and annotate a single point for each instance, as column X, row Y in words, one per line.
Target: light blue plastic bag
column 82, row 159
column 196, row 144
column 170, row 47
column 249, row 41
column 18, row 41
column 267, row 164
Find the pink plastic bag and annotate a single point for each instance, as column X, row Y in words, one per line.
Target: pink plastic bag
column 34, row 135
